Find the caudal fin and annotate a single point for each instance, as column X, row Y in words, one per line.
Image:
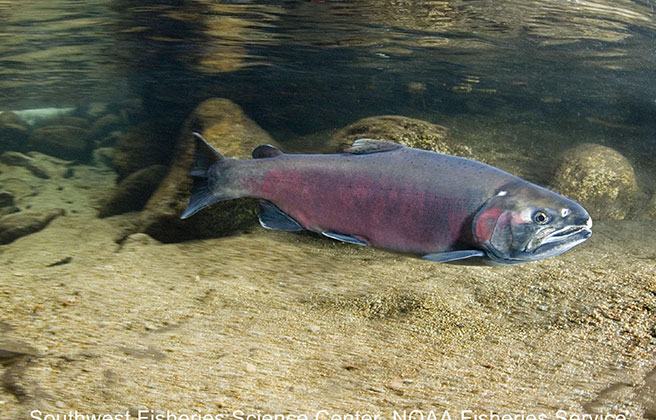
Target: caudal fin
column 201, row 194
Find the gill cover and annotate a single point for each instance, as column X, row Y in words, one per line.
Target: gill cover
column 493, row 227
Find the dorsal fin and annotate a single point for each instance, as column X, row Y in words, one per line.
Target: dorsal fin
column 266, row 151
column 365, row 146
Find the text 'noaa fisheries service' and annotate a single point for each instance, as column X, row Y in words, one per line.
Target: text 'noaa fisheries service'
column 146, row 414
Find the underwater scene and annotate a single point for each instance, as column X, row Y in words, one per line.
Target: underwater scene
column 453, row 218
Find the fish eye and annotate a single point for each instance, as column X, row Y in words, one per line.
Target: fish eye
column 540, row 217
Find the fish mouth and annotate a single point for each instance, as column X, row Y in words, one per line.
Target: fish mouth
column 560, row 240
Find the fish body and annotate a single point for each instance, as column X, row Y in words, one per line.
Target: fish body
column 440, row 207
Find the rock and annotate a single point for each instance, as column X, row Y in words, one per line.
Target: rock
column 597, row 177
column 62, row 141
column 35, row 116
column 15, row 357
column 647, row 395
column 13, row 132
column 147, row 144
column 15, row 159
column 407, row 131
column 226, row 127
column 24, row 223
column 7, row 203
column 108, row 140
column 11, row 350
column 229, row 130
column 130, row 108
column 102, row 156
column 105, row 125
column 651, row 207
column 133, row 192
column 95, row 110
column 27, row 162
column 6, row 199
column 20, row 188
column 66, row 120
column 137, row 239
column 9, row 117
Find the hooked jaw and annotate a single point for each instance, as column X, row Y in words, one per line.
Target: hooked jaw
column 550, row 241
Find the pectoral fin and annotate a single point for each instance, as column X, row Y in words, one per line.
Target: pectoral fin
column 453, row 255
column 345, row 238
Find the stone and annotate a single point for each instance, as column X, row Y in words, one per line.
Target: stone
column 130, row 108
column 15, row 159
column 139, row 239
column 102, row 156
column 20, row 224
column 7, row 203
column 62, row 141
column 27, row 162
column 105, row 125
column 108, row 140
column 225, row 126
column 647, row 395
column 133, row 192
column 13, row 132
column 651, row 207
column 95, row 110
column 147, row 144
column 11, row 350
column 67, row 120
column 6, row 199
column 407, row 131
column 599, row 178
column 9, row 117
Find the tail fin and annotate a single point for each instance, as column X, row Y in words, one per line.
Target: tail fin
column 201, row 192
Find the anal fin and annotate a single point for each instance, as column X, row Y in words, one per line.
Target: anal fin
column 271, row 217
column 453, row 255
column 345, row 238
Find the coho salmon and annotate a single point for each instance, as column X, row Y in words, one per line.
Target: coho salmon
column 439, row 207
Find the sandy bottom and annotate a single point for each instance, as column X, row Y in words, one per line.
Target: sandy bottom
column 282, row 323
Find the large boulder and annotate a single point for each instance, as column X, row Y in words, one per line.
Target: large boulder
column 600, row 178
column 62, row 141
column 407, row 131
column 133, row 192
column 13, row 132
column 225, row 126
column 147, row 144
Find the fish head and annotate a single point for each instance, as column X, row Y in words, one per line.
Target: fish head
column 523, row 222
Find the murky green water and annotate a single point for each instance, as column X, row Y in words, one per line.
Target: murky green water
column 103, row 89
